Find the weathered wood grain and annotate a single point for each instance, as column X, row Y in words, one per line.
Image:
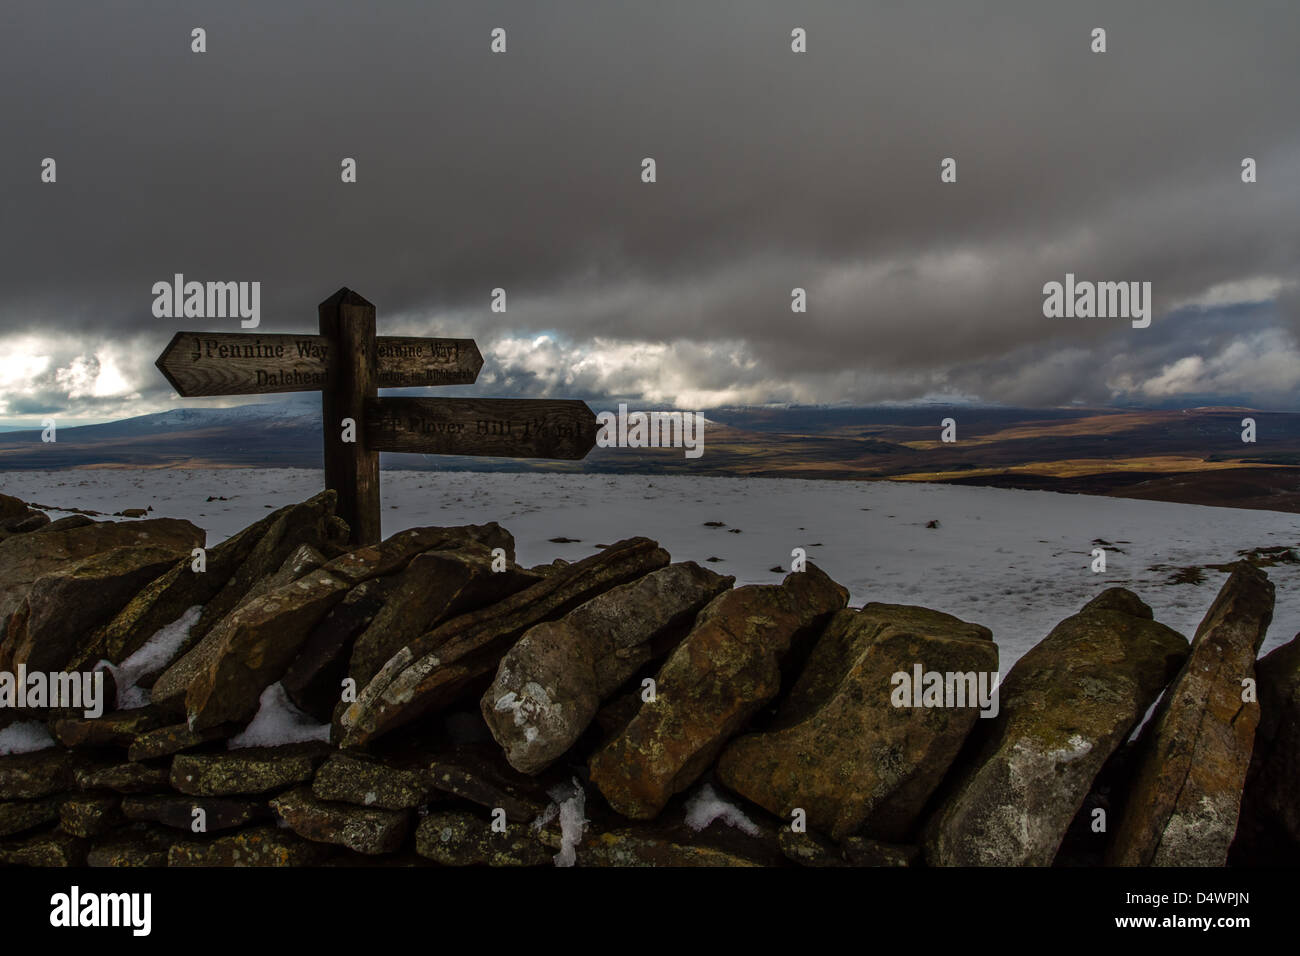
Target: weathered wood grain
column 245, row 363
column 351, row 468
column 495, row 427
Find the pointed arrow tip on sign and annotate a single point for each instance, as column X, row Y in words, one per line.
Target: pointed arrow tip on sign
column 475, row 362
column 161, row 364
column 590, row 431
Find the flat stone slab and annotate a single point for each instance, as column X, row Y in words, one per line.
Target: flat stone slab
column 549, row 686
column 1064, row 709
column 368, row 782
column 846, row 747
column 37, row 774
column 259, row 846
column 456, row 838
column 718, row 678
column 177, row 812
column 1183, row 801
column 368, row 830
column 19, row 815
column 251, row 771
column 434, row 668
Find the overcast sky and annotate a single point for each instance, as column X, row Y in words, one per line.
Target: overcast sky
column 775, row 170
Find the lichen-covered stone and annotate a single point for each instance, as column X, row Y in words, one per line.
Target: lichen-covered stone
column 123, row 778
column 173, row 739
column 19, row 815
column 631, row 847
column 48, row 849
column 550, row 684
column 116, row 729
column 368, row 782
column 136, row 846
column 259, row 846
column 435, row 667
column 26, row 523
column 90, row 815
column 255, row 770
column 1064, row 709
column 64, row 605
column 862, row 851
column 1182, row 804
column 1268, row 828
column 481, row 777
column 316, row 674
column 808, row 849
column 26, row 558
column 64, row 524
column 301, row 561
column 250, row 650
column 38, row 774
column 169, row 595
column 436, row 586
column 11, row 507
column 178, row 812
column 718, row 677
column 368, row 830
column 455, row 838
column 840, row 749
column 223, row 676
column 270, row 541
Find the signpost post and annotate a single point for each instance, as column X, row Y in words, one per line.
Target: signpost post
column 347, row 363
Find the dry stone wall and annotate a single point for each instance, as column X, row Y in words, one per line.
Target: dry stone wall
column 282, row 699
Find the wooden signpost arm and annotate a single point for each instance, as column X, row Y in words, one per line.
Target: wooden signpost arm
column 351, row 468
column 494, row 427
column 243, row 363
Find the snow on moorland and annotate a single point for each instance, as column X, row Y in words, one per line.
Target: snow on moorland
column 1014, row 561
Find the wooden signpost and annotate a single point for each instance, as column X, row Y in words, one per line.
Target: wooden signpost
column 347, row 363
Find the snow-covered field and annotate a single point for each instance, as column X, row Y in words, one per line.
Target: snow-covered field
column 1015, row 561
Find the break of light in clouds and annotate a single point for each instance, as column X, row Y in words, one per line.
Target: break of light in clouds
column 775, row 170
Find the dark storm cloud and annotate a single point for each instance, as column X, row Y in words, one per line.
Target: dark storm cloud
column 775, row 170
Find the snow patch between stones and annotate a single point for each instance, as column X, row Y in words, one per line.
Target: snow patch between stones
column 705, row 806
column 151, row 657
column 570, row 804
column 24, row 737
column 278, row 722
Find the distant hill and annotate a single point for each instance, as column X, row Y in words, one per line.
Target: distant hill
column 1194, row 455
column 278, row 434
